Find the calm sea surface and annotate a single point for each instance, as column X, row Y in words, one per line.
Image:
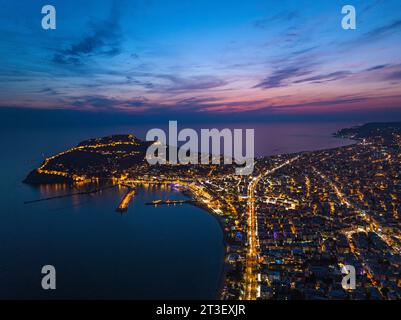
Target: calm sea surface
column 171, row 252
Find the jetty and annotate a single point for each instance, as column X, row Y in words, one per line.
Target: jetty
column 168, row 202
column 123, row 206
column 70, row 194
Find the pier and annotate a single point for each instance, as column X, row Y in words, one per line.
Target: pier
column 123, row 206
column 168, row 202
column 71, row 194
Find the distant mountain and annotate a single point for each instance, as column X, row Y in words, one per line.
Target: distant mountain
column 385, row 130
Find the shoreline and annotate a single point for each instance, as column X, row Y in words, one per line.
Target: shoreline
column 223, row 272
column 219, row 219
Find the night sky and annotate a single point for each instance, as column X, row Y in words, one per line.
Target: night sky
column 232, row 59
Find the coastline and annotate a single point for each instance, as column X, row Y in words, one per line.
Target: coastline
column 223, row 272
column 221, row 223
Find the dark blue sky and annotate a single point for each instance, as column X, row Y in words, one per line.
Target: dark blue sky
column 204, row 58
